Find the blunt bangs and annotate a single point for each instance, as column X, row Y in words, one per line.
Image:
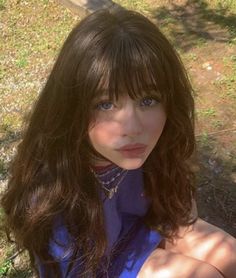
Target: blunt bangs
column 126, row 58
column 131, row 69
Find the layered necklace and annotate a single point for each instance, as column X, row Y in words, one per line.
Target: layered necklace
column 110, row 180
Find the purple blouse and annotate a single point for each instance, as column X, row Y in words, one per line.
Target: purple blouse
column 130, row 242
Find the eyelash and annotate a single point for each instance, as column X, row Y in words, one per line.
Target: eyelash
column 155, row 100
column 99, row 106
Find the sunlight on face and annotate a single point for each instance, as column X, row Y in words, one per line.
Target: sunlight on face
column 126, row 131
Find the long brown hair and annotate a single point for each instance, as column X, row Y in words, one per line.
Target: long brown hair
column 50, row 175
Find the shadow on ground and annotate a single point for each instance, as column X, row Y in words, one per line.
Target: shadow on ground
column 195, row 22
column 83, row 7
column 216, row 186
column 20, row 274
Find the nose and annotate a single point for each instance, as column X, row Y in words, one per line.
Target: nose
column 130, row 120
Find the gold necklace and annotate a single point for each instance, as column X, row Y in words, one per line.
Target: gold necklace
column 112, row 191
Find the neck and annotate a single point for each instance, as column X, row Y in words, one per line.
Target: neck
column 102, row 168
column 101, row 163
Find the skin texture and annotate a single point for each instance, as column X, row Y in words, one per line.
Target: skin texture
column 202, row 250
column 123, row 122
column 165, row 264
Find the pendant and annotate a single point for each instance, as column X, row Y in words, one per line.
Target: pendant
column 111, row 192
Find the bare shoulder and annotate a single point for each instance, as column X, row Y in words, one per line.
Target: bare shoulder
column 166, row 264
column 207, row 243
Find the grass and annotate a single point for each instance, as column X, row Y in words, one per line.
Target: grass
column 22, row 61
column 228, row 82
column 217, row 124
column 209, row 112
column 3, row 169
column 138, row 5
column 5, row 268
column 191, row 56
column 223, row 4
column 30, row 47
column 204, row 138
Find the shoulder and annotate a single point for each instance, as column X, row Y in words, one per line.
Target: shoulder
column 166, row 264
column 207, row 243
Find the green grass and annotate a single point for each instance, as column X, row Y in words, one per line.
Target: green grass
column 2, row 4
column 224, row 4
column 228, row 84
column 138, row 5
column 190, row 56
column 5, row 268
column 203, row 139
column 217, row 124
column 22, row 60
column 2, row 167
column 31, row 40
column 233, row 59
column 206, row 113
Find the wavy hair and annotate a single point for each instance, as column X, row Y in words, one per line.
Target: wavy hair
column 50, row 177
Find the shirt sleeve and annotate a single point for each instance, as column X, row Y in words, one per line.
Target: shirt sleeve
column 59, row 251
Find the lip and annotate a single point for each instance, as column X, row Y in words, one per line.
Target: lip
column 129, row 147
column 132, row 150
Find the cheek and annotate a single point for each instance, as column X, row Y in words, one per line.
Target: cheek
column 154, row 124
column 102, row 133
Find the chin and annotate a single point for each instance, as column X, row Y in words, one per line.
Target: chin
column 131, row 164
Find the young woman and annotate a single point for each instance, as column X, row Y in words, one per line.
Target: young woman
column 101, row 186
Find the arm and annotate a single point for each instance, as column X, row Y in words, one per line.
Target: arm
column 209, row 244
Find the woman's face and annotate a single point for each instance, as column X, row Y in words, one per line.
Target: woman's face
column 126, row 131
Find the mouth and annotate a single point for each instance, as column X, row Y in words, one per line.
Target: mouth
column 132, row 150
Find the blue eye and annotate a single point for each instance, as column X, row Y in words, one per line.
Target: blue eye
column 148, row 101
column 104, row 106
